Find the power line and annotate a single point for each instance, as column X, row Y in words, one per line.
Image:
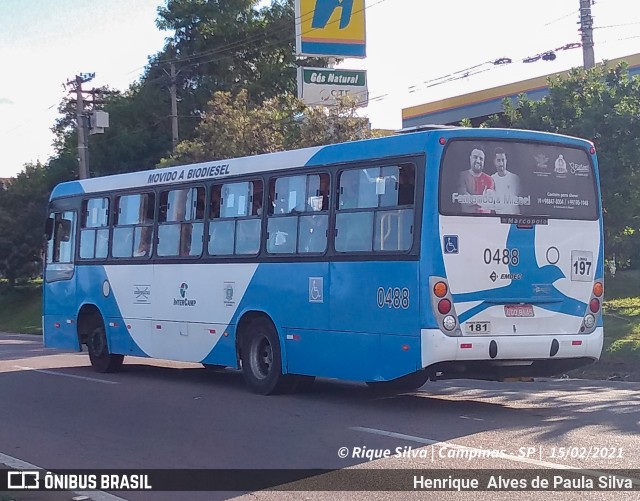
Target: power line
column 616, row 25
column 572, row 13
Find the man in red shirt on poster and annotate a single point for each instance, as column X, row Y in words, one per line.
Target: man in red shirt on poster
column 476, row 182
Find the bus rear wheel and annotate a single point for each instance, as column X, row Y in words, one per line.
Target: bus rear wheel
column 101, row 360
column 261, row 359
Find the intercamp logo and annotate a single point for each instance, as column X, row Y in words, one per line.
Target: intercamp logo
column 183, row 301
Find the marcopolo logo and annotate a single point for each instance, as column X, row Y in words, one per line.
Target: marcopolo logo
column 183, row 300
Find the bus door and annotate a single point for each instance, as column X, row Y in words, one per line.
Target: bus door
column 59, row 315
column 374, row 287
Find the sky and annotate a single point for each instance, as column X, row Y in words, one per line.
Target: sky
column 411, row 45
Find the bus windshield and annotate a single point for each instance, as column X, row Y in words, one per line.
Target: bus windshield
column 496, row 178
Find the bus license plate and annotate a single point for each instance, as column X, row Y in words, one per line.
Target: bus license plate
column 478, row 327
column 518, row 310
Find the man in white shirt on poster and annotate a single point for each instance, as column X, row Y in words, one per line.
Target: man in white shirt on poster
column 507, row 185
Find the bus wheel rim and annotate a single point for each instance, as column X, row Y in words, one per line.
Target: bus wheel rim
column 261, row 358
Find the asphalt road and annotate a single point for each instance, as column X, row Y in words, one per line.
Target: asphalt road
column 56, row 413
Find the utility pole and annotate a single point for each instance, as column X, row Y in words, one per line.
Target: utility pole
column 174, row 106
column 80, row 117
column 586, row 30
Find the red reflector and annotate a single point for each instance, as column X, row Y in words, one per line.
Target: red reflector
column 576, row 343
column 442, row 141
column 466, row 345
column 158, row 326
column 594, row 305
column 128, row 327
column 212, row 331
column 57, row 325
column 296, row 337
column 444, row 306
column 405, row 347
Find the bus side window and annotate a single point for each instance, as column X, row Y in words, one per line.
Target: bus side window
column 62, row 240
column 94, row 228
column 393, row 229
column 133, row 230
column 290, row 227
column 235, row 222
column 248, row 229
column 221, row 232
column 181, row 222
column 368, row 218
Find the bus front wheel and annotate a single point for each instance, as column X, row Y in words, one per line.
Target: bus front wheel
column 101, row 360
column 261, row 359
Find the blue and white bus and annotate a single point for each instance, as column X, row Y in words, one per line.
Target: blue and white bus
column 443, row 253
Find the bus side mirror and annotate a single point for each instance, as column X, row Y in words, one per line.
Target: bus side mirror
column 48, row 228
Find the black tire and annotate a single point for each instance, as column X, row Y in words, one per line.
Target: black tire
column 261, row 359
column 101, row 360
column 409, row 382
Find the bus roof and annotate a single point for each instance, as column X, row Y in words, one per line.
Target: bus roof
column 411, row 143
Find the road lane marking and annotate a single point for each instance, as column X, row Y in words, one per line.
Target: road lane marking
column 19, row 464
column 510, row 457
column 85, row 378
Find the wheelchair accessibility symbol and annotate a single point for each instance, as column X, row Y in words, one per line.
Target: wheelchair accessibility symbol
column 450, row 244
column 316, row 289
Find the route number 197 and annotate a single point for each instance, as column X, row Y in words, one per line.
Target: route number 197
column 581, row 266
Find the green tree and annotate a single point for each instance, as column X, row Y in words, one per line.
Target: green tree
column 233, row 127
column 601, row 104
column 215, row 45
column 22, row 215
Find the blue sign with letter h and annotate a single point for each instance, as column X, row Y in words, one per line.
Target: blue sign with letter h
column 325, row 8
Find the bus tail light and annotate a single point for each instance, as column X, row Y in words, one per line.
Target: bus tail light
column 444, row 306
column 590, row 319
column 440, row 289
column 449, row 322
column 598, row 289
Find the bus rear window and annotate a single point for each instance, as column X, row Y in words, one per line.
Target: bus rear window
column 496, row 178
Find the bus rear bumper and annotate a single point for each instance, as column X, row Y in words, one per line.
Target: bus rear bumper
column 499, row 357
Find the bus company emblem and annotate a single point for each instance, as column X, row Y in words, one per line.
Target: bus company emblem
column 579, row 169
column 541, row 161
column 228, row 294
column 142, row 294
column 183, row 301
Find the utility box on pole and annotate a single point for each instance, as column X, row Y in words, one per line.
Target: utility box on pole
column 99, row 122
